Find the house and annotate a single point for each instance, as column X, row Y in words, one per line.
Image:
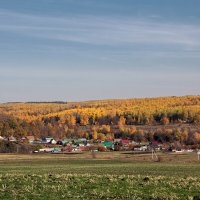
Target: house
column 80, row 141
column 76, row 150
column 84, row 140
column 56, row 150
column 12, row 139
column 1, row 138
column 83, row 148
column 74, row 146
column 47, row 140
column 37, row 141
column 109, row 140
column 108, row 145
column 88, row 145
column 141, row 148
column 52, row 141
column 67, row 140
column 134, row 143
column 59, row 142
column 179, row 150
column 46, row 150
column 117, row 140
column 155, row 145
column 30, row 138
column 67, row 149
column 125, row 142
column 189, row 150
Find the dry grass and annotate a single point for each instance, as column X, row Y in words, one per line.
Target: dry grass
column 111, row 175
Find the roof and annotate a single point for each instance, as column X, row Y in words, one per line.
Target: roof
column 12, row 138
column 125, row 141
column 107, row 144
column 30, row 137
column 46, row 140
column 67, row 140
column 77, row 140
column 109, row 140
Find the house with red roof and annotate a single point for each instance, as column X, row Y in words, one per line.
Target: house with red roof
column 30, row 138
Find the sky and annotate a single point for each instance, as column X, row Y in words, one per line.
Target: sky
column 76, row 50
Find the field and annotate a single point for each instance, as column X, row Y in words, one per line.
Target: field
column 108, row 176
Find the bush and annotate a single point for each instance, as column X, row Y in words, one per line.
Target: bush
column 160, row 159
column 7, row 147
column 117, row 148
column 14, row 147
column 101, row 148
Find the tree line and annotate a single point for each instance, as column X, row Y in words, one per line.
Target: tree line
column 90, row 119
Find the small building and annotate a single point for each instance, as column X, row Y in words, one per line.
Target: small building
column 56, row 150
column 47, row 140
column 125, row 142
column 155, row 145
column 30, row 138
column 109, row 140
column 37, row 141
column 67, row 140
column 46, row 150
column 1, row 138
column 59, row 142
column 83, row 148
column 12, row 139
column 80, row 141
column 108, row 145
column 53, row 141
column 67, row 149
column 141, row 148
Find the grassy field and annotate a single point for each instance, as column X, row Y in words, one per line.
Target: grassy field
column 111, row 175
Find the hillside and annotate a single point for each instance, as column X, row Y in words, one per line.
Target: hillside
column 102, row 118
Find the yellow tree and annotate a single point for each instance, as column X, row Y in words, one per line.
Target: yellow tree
column 122, row 121
column 71, row 120
column 101, row 136
column 165, row 121
column 110, row 136
column 94, row 135
column 84, row 120
column 196, row 137
column 184, row 136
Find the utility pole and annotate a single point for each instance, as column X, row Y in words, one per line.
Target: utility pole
column 153, row 154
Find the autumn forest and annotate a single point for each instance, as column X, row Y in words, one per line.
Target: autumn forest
column 164, row 119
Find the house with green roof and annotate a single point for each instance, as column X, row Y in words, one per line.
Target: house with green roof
column 108, row 144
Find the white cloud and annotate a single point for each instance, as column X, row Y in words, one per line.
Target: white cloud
column 102, row 30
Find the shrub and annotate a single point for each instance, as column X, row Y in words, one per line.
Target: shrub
column 7, row 147
column 101, row 148
column 14, row 147
column 160, row 159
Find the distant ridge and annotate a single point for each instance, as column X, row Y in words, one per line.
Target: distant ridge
column 38, row 102
column 101, row 100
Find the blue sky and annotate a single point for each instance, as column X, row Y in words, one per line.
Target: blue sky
column 77, row 50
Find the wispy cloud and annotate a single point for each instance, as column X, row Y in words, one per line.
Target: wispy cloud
column 102, row 30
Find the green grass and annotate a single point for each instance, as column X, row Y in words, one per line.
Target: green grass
column 110, row 176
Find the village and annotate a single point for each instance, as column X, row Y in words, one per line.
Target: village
column 80, row 145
